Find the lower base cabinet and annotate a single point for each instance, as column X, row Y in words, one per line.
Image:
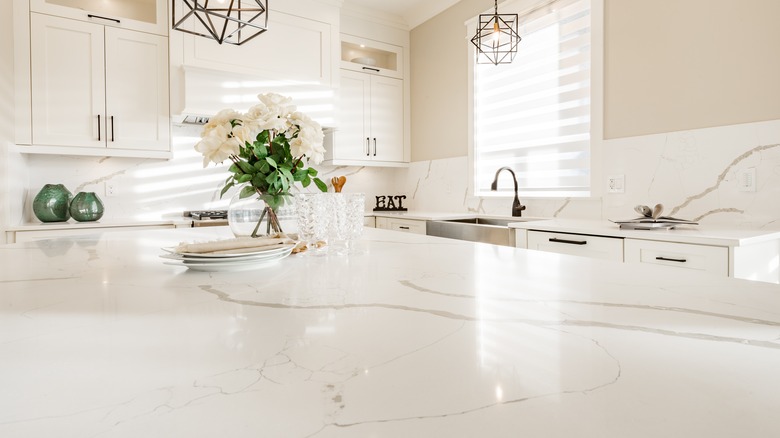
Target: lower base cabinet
column 405, row 225
column 606, row 248
column 704, row 258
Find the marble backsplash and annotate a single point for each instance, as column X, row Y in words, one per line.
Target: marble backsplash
column 693, row 173
column 148, row 189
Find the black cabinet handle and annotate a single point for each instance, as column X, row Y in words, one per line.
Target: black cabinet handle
column 368, row 146
column 569, row 242
column 404, row 228
column 98, row 127
column 668, row 259
column 375, row 146
column 112, row 128
column 103, row 18
column 372, row 69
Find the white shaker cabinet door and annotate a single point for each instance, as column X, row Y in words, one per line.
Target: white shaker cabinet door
column 352, row 137
column 68, row 82
column 137, row 90
column 387, row 119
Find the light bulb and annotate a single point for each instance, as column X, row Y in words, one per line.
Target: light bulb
column 496, row 34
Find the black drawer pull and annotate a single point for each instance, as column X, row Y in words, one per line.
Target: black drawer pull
column 372, row 69
column 667, row 259
column 404, row 228
column 569, row 242
column 103, row 18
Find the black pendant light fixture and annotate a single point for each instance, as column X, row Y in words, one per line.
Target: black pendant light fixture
column 226, row 21
column 497, row 38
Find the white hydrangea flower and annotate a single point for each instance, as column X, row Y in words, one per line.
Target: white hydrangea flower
column 277, row 105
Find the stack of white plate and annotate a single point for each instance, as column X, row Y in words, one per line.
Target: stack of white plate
column 242, row 261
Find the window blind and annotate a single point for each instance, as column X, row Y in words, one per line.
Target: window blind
column 533, row 115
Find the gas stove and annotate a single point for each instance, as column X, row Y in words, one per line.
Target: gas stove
column 207, row 218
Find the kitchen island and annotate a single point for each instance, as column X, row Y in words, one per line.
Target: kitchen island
column 411, row 336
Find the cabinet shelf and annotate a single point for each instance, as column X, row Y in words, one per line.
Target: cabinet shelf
column 369, row 56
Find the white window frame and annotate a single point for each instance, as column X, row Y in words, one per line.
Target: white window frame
column 597, row 182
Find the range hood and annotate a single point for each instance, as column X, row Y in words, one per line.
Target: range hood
column 205, row 92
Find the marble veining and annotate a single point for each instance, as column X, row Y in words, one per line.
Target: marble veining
column 410, row 336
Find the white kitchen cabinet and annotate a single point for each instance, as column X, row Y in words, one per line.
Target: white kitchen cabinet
column 91, row 77
column 370, row 56
column 607, row 248
column 371, row 121
column 149, row 16
column 711, row 259
column 99, row 87
column 399, row 224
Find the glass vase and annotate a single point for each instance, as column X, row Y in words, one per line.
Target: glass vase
column 251, row 216
column 52, row 203
column 86, row 207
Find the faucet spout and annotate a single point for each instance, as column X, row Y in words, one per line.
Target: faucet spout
column 517, row 207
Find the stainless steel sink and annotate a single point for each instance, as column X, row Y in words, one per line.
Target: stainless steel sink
column 479, row 229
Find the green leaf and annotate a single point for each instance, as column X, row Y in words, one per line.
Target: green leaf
column 244, row 178
column 288, row 175
column 260, row 150
column 265, row 168
column 246, row 192
column 226, row 188
column 320, row 185
column 233, row 168
column 306, row 181
column 271, row 161
column 270, row 179
column 246, row 167
column 312, row 171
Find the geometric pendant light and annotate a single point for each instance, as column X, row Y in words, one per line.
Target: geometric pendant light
column 496, row 38
column 226, row 21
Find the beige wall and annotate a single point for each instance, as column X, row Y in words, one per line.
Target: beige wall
column 670, row 65
column 673, row 65
column 439, row 70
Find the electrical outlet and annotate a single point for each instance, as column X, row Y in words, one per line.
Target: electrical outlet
column 746, row 180
column 616, row 184
column 110, row 189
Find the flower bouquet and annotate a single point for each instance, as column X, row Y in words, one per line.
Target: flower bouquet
column 270, row 147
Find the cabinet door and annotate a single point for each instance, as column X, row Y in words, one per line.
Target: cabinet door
column 143, row 15
column 712, row 259
column 352, row 137
column 607, row 248
column 137, row 90
column 68, row 85
column 387, row 119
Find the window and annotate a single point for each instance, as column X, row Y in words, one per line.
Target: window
column 534, row 115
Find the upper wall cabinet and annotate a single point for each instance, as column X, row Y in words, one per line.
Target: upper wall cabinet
column 361, row 55
column 98, row 87
column 88, row 88
column 143, row 15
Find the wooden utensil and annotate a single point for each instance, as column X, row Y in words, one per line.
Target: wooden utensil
column 338, row 183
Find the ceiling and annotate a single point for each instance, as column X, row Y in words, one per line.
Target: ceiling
column 413, row 12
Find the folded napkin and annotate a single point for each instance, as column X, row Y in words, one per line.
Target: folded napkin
column 237, row 245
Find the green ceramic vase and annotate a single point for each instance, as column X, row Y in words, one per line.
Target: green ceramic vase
column 52, row 203
column 86, row 207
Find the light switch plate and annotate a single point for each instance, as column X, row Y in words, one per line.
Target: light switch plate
column 616, row 184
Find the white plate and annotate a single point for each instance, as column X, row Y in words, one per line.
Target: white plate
column 250, row 253
column 230, row 264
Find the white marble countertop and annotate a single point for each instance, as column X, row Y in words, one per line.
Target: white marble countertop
column 696, row 234
column 414, row 336
column 104, row 223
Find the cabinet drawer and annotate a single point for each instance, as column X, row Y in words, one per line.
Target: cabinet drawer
column 405, row 225
column 607, row 248
column 712, row 259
